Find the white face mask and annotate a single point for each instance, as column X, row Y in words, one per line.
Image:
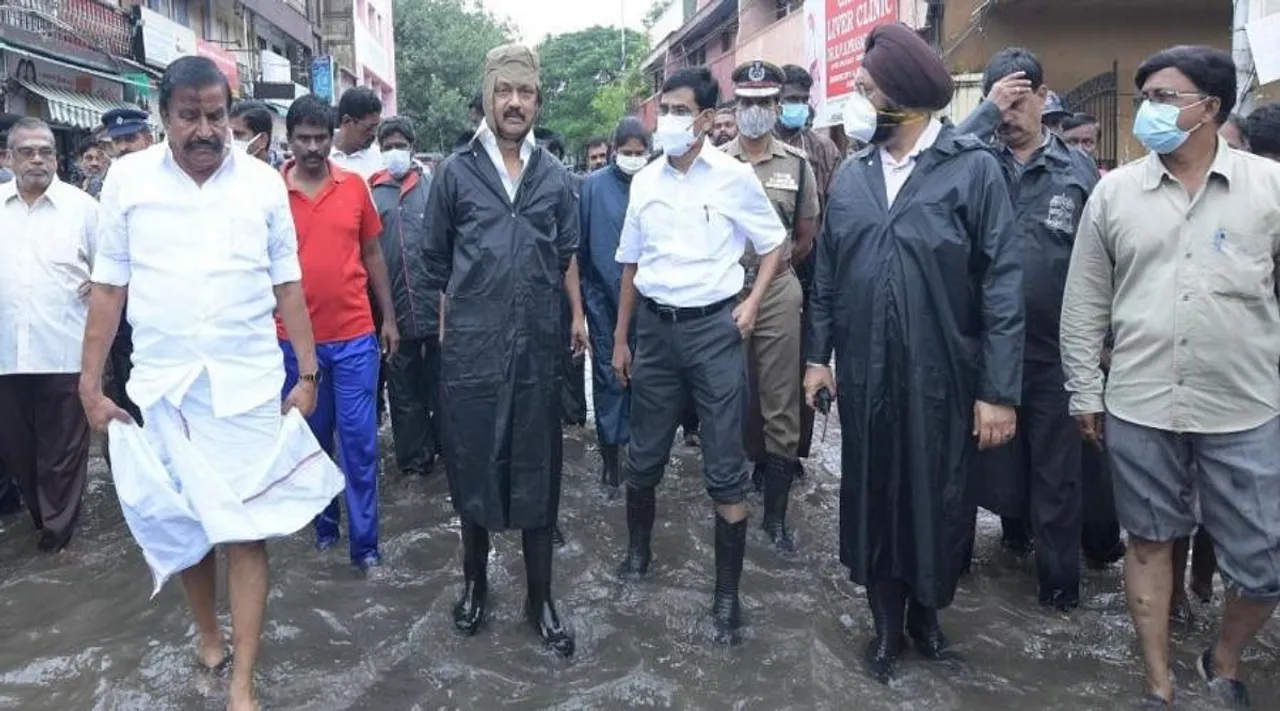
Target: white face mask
column 631, row 164
column 397, row 162
column 860, row 118
column 675, row 134
column 243, row 146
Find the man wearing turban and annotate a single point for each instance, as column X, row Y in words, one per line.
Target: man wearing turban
column 502, row 231
column 918, row 293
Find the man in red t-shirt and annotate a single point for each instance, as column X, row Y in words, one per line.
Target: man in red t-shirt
column 338, row 228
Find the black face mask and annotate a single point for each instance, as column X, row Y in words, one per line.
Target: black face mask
column 886, row 125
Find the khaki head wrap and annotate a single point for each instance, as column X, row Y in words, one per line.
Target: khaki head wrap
column 515, row 63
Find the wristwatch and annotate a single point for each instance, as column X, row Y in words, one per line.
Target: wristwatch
column 313, row 378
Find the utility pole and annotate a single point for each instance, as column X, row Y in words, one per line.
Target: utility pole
column 1243, row 57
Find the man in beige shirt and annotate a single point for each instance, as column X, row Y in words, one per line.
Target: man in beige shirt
column 1177, row 254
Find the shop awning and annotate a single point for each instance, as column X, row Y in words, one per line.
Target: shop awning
column 72, row 108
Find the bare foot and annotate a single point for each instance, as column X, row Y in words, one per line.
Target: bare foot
column 213, row 657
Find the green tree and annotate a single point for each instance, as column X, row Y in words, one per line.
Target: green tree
column 587, row 82
column 440, row 50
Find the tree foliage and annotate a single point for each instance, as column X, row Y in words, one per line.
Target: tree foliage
column 588, row 85
column 440, row 50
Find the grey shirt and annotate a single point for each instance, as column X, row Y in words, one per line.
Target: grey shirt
column 1188, row 285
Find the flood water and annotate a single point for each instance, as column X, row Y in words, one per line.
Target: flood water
column 78, row 631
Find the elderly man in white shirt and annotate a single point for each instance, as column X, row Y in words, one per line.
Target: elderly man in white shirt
column 687, row 225
column 46, row 252
column 201, row 239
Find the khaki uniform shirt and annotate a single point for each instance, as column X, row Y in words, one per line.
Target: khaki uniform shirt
column 780, row 174
column 823, row 155
column 1188, row 285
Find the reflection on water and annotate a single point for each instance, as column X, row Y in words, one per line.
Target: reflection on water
column 79, row 632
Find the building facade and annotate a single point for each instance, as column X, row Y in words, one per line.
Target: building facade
column 359, row 36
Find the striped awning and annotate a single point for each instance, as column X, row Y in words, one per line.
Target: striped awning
column 71, row 108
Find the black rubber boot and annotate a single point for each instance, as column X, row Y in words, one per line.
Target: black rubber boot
column 538, row 606
column 888, row 602
column 925, row 631
column 610, row 473
column 778, row 476
column 726, row 607
column 468, row 614
column 641, row 508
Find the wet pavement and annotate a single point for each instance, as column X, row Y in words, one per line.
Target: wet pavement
column 79, row 631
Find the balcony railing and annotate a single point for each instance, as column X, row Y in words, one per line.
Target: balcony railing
column 84, row 23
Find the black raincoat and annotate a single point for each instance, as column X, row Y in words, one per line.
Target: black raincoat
column 402, row 204
column 922, row 304
column 502, row 268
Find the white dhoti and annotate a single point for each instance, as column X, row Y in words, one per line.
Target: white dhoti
column 190, row 480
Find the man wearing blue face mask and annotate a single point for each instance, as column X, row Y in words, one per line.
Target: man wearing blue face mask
column 400, row 193
column 1177, row 255
column 824, row 157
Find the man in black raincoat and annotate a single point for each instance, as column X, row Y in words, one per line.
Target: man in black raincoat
column 502, row 233
column 400, row 192
column 1038, row 474
column 918, row 291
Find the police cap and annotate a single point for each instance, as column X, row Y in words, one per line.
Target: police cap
column 758, row 79
column 125, row 121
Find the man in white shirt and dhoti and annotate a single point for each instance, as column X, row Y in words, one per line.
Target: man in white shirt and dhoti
column 201, row 240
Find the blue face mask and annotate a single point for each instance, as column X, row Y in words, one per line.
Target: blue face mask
column 795, row 116
column 1156, row 127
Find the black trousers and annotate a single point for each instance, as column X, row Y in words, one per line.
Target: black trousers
column 44, row 446
column 574, row 397
column 1100, row 533
column 1051, row 441
column 119, row 365
column 413, row 387
column 701, row 360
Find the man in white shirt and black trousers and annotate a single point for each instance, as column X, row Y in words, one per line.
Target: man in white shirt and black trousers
column 690, row 218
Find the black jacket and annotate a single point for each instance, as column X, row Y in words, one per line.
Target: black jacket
column 402, row 205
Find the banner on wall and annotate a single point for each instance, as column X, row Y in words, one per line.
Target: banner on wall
column 835, row 37
column 58, row 76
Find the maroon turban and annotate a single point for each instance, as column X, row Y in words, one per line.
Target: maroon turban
column 906, row 68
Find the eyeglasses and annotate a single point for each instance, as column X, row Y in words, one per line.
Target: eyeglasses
column 1166, row 96
column 28, row 152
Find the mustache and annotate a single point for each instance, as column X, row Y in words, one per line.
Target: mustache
column 199, row 143
column 513, row 113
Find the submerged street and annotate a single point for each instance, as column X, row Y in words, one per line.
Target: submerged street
column 80, row 633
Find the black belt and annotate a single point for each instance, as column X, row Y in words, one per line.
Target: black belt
column 675, row 314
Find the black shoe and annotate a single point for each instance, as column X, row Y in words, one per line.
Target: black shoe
column 726, row 607
column 641, row 509
column 539, row 609
column 888, row 602
column 468, row 614
column 925, row 632
column 779, row 473
column 1015, row 536
column 557, row 536
column 1060, row 599
column 610, row 471
column 1232, row 693
column 1104, row 560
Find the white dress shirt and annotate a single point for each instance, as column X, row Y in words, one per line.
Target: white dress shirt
column 200, row 263
column 896, row 172
column 686, row 232
column 363, row 162
column 490, row 143
column 46, row 254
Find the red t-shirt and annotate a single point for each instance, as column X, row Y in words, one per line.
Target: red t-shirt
column 332, row 228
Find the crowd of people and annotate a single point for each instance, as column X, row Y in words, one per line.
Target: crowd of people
column 996, row 322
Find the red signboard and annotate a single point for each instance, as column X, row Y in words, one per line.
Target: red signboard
column 225, row 60
column 848, row 24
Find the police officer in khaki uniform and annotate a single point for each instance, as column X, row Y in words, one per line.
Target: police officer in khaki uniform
column 773, row 427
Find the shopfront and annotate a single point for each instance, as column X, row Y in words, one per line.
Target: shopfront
column 69, row 98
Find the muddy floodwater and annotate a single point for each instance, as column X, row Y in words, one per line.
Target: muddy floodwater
column 78, row 632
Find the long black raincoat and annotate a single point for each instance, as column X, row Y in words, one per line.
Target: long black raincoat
column 502, row 268
column 922, row 304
